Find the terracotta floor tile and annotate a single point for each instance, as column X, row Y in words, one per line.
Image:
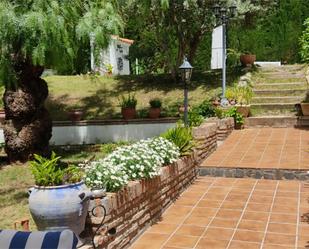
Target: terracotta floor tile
column 286, row 201
column 230, row 224
column 162, row 228
column 258, row 216
column 178, row 210
column 172, row 218
column 197, row 221
column 205, row 243
column 283, row 218
column 252, row 225
column 229, row 214
column 303, row 231
column 203, row 212
column 258, row 207
column 244, row 245
column 282, row 228
column 190, row 230
column 233, row 205
column 270, row 246
column 261, row 199
column 263, row 192
column 216, row 197
column 218, row 233
column 284, row 209
column 280, row 239
column 145, row 246
column 250, row 236
column 152, row 239
column 209, row 203
column 287, row 194
column 182, row 241
column 303, row 242
column 234, row 197
column 186, row 201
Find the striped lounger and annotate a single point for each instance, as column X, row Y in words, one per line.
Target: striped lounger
column 12, row 239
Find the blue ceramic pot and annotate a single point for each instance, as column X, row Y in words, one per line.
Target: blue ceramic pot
column 60, row 207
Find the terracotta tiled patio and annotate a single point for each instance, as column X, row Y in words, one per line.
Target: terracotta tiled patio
column 235, row 213
column 274, row 148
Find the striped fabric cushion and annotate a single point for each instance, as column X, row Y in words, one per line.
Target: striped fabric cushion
column 11, row 239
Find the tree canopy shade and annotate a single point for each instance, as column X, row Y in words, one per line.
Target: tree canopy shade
column 38, row 33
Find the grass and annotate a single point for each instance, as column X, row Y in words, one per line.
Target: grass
column 99, row 96
column 15, row 181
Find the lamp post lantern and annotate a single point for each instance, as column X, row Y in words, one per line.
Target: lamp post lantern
column 186, row 72
column 223, row 14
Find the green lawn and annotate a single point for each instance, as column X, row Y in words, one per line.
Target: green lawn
column 99, row 96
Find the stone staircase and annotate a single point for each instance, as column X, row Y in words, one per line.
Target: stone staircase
column 278, row 89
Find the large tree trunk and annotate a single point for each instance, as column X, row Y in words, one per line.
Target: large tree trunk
column 28, row 126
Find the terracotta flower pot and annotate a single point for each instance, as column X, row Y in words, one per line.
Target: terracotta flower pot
column 305, row 108
column 244, row 110
column 247, row 59
column 128, row 113
column 75, row 115
column 154, row 112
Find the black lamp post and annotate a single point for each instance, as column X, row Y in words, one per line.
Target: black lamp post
column 186, row 72
column 223, row 14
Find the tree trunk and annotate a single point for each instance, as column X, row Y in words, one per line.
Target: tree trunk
column 28, row 126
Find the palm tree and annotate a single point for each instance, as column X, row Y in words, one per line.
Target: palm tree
column 35, row 34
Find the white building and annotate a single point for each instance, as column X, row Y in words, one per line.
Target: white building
column 115, row 58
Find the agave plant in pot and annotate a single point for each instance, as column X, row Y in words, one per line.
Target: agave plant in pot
column 155, row 108
column 60, row 199
column 128, row 106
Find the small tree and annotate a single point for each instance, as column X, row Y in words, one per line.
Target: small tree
column 34, row 34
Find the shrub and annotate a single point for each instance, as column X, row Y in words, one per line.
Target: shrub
column 128, row 102
column 48, row 172
column 181, row 137
column 238, row 118
column 140, row 160
column 304, row 42
column 155, row 103
column 205, row 109
column 194, row 118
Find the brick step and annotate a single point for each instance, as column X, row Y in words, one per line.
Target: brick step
column 283, row 75
column 281, row 92
column 274, row 106
column 281, row 86
column 258, row 111
column 271, row 100
column 271, row 121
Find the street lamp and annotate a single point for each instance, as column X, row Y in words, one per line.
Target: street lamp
column 223, row 14
column 186, row 72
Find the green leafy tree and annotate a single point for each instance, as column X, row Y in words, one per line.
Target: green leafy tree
column 35, row 34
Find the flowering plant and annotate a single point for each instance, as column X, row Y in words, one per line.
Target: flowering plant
column 140, row 160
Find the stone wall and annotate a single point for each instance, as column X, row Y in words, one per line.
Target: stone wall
column 132, row 210
column 205, row 138
column 225, row 127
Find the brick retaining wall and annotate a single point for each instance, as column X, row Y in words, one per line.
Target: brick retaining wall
column 141, row 203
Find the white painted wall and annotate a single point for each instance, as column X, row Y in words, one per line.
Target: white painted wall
column 92, row 134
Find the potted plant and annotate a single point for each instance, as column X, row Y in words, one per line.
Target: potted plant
column 75, row 113
column 238, row 118
column 109, row 68
column 128, row 106
column 305, row 105
column 59, row 200
column 155, row 108
column 247, row 59
column 243, row 95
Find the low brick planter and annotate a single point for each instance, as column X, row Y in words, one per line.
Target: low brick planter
column 141, row 203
